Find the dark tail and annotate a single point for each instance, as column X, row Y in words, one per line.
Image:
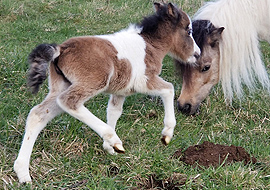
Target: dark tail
column 39, row 60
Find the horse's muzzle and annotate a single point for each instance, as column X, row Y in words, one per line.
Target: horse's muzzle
column 188, row 109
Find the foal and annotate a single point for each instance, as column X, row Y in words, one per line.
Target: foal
column 121, row 64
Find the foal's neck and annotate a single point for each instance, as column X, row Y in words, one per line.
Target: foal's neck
column 159, row 47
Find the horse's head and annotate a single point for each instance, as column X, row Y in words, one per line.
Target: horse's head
column 173, row 27
column 198, row 79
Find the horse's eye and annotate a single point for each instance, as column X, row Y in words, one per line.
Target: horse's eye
column 206, row 68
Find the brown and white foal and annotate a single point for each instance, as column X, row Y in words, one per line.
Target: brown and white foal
column 120, row 64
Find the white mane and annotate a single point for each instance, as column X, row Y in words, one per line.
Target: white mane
column 245, row 22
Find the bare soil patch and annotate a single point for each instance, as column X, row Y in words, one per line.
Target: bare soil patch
column 203, row 155
column 210, row 154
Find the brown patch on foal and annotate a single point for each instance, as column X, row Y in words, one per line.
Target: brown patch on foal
column 104, row 71
column 121, row 76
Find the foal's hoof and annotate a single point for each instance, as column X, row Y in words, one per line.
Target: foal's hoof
column 119, row 148
column 165, row 140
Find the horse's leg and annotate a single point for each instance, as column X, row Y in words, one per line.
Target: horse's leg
column 114, row 109
column 157, row 86
column 37, row 119
column 72, row 101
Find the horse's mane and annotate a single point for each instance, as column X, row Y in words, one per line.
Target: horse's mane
column 151, row 23
column 201, row 28
column 240, row 58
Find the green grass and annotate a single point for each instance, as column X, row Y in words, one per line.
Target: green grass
column 69, row 155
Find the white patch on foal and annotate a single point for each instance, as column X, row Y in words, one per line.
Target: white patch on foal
column 131, row 46
column 197, row 50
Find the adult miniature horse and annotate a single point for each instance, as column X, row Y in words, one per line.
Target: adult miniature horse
column 198, row 79
column 240, row 63
column 121, row 64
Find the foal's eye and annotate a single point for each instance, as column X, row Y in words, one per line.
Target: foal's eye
column 189, row 31
column 206, row 68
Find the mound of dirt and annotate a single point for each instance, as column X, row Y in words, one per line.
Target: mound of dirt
column 210, row 154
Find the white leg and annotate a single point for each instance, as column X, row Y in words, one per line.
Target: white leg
column 111, row 140
column 166, row 91
column 169, row 119
column 114, row 109
column 37, row 119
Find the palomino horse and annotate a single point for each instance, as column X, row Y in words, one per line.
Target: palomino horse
column 121, row 64
column 198, row 79
column 240, row 63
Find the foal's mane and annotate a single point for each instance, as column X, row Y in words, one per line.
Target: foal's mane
column 150, row 25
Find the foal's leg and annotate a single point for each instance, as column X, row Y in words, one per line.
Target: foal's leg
column 165, row 90
column 72, row 101
column 114, row 109
column 37, row 119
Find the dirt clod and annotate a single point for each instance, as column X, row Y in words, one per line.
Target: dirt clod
column 210, row 154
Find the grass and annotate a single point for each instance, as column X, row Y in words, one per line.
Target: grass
column 69, row 155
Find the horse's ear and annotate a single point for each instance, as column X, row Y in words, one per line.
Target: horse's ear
column 216, row 33
column 220, row 30
column 215, row 36
column 172, row 10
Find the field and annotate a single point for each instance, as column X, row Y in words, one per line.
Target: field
column 69, row 155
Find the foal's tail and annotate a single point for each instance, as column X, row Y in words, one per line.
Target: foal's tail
column 39, row 60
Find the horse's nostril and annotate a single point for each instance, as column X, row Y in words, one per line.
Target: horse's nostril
column 187, row 108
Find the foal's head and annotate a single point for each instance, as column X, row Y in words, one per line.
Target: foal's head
column 198, row 79
column 172, row 28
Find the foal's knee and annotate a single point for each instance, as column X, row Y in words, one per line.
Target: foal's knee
column 34, row 117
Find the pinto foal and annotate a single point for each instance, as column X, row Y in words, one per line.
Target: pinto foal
column 120, row 64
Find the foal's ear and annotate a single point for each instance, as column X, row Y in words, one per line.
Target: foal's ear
column 172, row 10
column 157, row 6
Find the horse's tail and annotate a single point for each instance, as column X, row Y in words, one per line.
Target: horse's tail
column 39, row 60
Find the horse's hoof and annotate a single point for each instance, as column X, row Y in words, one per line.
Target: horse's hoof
column 119, row 148
column 165, row 140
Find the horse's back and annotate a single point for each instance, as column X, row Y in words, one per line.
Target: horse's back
column 86, row 57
